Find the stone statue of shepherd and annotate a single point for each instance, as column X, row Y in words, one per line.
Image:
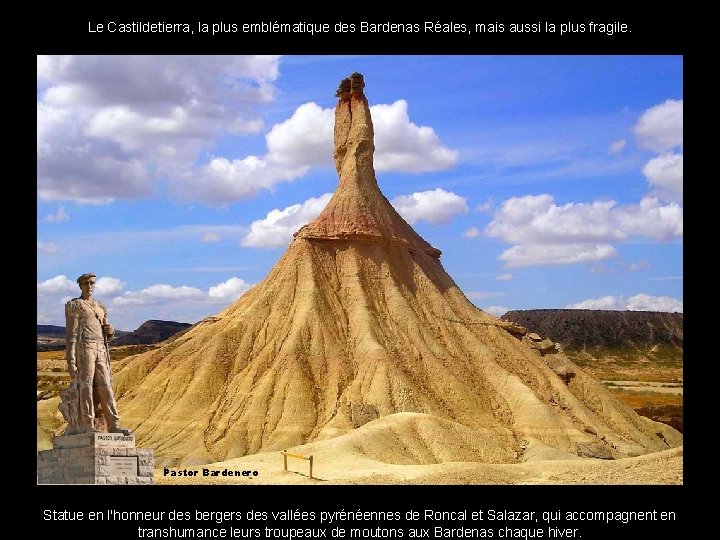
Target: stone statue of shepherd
column 88, row 404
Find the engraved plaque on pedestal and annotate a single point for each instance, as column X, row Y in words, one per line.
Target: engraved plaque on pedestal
column 122, row 465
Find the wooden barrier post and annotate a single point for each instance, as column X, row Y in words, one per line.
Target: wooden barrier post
column 286, row 454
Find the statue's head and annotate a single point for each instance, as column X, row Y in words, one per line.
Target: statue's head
column 87, row 283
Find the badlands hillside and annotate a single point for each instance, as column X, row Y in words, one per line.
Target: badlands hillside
column 360, row 348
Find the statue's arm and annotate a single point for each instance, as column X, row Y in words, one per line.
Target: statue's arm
column 108, row 329
column 72, row 325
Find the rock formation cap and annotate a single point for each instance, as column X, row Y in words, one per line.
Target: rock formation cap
column 358, row 210
column 357, row 83
column 343, row 91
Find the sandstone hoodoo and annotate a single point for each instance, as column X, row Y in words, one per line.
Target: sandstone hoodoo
column 358, row 323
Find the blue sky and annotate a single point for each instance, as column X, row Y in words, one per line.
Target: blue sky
column 547, row 181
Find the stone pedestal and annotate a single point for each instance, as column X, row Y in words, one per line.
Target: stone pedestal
column 95, row 458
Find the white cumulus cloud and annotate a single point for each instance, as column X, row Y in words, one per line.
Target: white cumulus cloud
column 108, row 126
column 546, row 233
column 545, row 254
column 660, row 128
column 436, row 206
column 279, row 225
column 58, row 285
column 504, row 277
column 222, row 180
column 472, row 232
column 304, row 139
column 536, row 218
column 646, row 302
column 604, row 302
column 157, row 294
column 404, row 146
column 650, row 218
column 229, row 290
column 639, row 302
column 665, row 173
column 109, row 286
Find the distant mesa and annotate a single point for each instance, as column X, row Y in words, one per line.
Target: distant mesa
column 150, row 332
column 359, row 324
column 52, row 338
column 583, row 328
column 50, row 330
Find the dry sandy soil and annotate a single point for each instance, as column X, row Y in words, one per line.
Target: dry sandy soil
column 362, row 458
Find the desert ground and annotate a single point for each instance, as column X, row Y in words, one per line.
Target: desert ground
column 370, row 456
column 359, row 459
